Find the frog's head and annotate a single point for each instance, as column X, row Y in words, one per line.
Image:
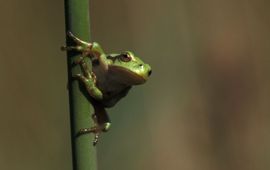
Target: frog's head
column 128, row 68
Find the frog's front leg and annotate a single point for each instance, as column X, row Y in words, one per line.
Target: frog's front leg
column 81, row 46
column 88, row 79
column 88, row 50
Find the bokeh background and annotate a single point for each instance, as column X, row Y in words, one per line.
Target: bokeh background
column 206, row 106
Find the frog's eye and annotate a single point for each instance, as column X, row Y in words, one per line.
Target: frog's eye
column 125, row 57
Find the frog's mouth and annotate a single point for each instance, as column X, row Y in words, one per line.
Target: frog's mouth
column 126, row 76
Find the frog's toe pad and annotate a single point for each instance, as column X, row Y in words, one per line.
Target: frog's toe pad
column 106, row 127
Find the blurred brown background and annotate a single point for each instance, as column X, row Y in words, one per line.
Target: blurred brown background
column 206, row 106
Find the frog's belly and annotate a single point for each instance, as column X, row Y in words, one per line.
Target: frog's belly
column 112, row 97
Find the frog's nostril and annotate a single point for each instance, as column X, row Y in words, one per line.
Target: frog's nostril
column 149, row 72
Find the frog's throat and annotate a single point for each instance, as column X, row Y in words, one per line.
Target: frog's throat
column 136, row 78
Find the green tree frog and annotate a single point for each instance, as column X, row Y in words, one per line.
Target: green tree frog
column 109, row 79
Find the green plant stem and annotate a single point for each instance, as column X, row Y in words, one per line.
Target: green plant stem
column 83, row 152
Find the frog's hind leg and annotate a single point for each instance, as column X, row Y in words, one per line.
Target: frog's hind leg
column 101, row 121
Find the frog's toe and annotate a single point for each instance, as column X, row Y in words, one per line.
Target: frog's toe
column 87, row 130
column 71, row 48
column 106, row 127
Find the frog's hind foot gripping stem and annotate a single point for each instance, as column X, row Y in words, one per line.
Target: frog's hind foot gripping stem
column 90, row 130
column 96, row 130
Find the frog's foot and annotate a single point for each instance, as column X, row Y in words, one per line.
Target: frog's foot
column 88, row 79
column 96, row 130
column 77, row 40
column 81, row 46
column 89, row 83
column 85, row 68
column 71, row 48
